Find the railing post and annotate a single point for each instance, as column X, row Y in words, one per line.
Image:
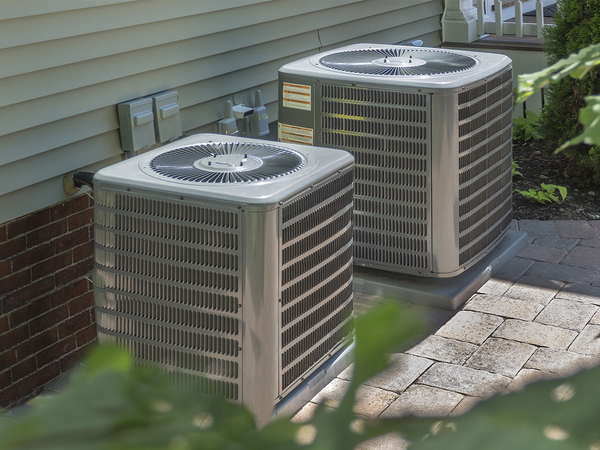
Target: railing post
column 519, row 18
column 459, row 22
column 480, row 14
column 539, row 15
column 498, row 15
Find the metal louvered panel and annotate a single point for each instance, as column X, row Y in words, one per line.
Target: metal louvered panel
column 168, row 286
column 316, row 309
column 388, row 133
column 485, row 149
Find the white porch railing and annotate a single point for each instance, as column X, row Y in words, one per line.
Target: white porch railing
column 493, row 22
column 468, row 20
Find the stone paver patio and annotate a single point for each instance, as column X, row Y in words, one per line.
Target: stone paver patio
column 537, row 318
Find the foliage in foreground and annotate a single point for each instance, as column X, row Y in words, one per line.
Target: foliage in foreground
column 110, row 405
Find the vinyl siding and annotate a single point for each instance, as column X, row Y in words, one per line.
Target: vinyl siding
column 66, row 65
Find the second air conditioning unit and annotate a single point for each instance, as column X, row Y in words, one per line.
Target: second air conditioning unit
column 227, row 263
column 430, row 130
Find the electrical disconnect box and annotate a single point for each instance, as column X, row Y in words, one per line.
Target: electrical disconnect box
column 167, row 118
column 136, row 122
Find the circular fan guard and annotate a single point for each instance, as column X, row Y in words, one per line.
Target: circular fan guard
column 229, row 162
column 397, row 61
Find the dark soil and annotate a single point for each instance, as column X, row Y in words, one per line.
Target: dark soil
column 537, row 166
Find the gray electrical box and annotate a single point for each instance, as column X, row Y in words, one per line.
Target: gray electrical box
column 136, row 123
column 167, row 118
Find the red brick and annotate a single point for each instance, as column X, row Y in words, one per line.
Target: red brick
column 72, row 239
column 28, row 223
column 24, row 369
column 81, row 219
column 36, row 344
column 56, row 351
column 5, row 269
column 28, row 293
column 51, row 265
column 14, row 282
column 12, row 247
column 46, row 233
column 13, row 338
column 5, row 380
column 83, row 251
column 78, row 304
column 74, row 272
column 33, row 256
column 8, row 359
column 74, row 324
column 27, row 386
column 2, row 233
column 71, row 206
column 68, row 361
column 86, row 335
column 48, row 320
column 4, row 324
column 29, row 311
column 69, row 292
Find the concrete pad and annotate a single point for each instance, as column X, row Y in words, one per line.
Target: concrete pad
column 595, row 224
column 535, row 334
column 445, row 350
column 560, row 362
column 580, row 293
column 567, row 314
column 464, row 380
column 447, row 293
column 403, row 371
column 389, row 441
column 539, row 228
column 588, row 342
column 534, row 289
column 371, row 401
column 526, row 377
column 514, row 269
column 423, row 401
column 561, row 272
column 469, row 326
column 332, row 394
column 585, row 257
column 576, row 229
column 561, row 244
column 501, row 356
column 496, row 287
column 595, row 320
column 540, row 253
column 504, row 307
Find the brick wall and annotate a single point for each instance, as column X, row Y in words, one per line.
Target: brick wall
column 46, row 303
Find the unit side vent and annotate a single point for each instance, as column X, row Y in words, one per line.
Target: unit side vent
column 168, row 285
column 316, row 300
column 387, row 132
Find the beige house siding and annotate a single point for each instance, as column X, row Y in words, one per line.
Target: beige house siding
column 66, row 65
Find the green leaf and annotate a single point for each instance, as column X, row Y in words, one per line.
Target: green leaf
column 589, row 116
column 107, row 358
column 576, row 65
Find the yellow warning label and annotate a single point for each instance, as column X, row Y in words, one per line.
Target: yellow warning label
column 297, row 135
column 297, row 96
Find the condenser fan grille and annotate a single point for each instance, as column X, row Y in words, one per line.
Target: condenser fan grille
column 235, row 162
column 397, row 61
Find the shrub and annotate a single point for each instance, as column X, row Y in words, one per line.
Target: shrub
column 577, row 26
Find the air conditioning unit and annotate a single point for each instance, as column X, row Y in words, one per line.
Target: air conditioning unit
column 227, row 262
column 430, row 130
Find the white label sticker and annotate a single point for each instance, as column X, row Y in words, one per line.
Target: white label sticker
column 297, row 135
column 296, row 96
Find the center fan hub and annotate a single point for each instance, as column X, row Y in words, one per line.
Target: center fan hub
column 228, row 163
column 399, row 61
